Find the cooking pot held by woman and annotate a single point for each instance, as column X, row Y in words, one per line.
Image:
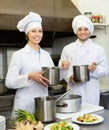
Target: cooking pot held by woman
column 53, row 74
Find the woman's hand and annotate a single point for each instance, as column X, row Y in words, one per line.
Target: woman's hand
column 38, row 77
column 93, row 66
column 65, row 64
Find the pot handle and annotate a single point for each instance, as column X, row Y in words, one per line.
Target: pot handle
column 62, row 105
column 63, row 95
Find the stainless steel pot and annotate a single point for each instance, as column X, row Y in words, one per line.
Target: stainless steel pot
column 81, row 73
column 45, row 109
column 68, row 104
column 53, row 74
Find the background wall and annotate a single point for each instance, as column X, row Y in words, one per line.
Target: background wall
column 94, row 6
column 103, row 40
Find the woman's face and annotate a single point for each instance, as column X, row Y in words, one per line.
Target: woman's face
column 35, row 36
column 83, row 34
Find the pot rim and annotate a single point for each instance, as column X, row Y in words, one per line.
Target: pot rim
column 79, row 65
column 45, row 98
column 54, row 67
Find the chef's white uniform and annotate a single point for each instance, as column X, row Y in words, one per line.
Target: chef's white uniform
column 24, row 61
column 85, row 54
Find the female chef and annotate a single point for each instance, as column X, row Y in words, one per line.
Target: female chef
column 24, row 72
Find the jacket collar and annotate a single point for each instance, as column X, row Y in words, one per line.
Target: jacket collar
column 28, row 49
column 87, row 45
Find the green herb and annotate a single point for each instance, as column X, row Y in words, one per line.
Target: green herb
column 23, row 115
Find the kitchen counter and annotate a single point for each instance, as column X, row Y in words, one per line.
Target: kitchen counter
column 6, row 108
column 101, row 126
column 89, row 108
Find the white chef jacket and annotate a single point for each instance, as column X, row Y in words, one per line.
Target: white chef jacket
column 85, row 54
column 22, row 62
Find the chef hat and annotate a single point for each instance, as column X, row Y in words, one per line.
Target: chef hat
column 82, row 21
column 30, row 21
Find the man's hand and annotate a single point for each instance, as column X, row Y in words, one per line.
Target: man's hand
column 65, row 64
column 93, row 66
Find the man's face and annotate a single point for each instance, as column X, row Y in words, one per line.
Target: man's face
column 83, row 34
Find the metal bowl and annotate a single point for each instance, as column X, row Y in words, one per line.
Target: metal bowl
column 70, row 103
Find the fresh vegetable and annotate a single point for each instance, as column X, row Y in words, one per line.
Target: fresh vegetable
column 23, row 115
column 62, row 125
